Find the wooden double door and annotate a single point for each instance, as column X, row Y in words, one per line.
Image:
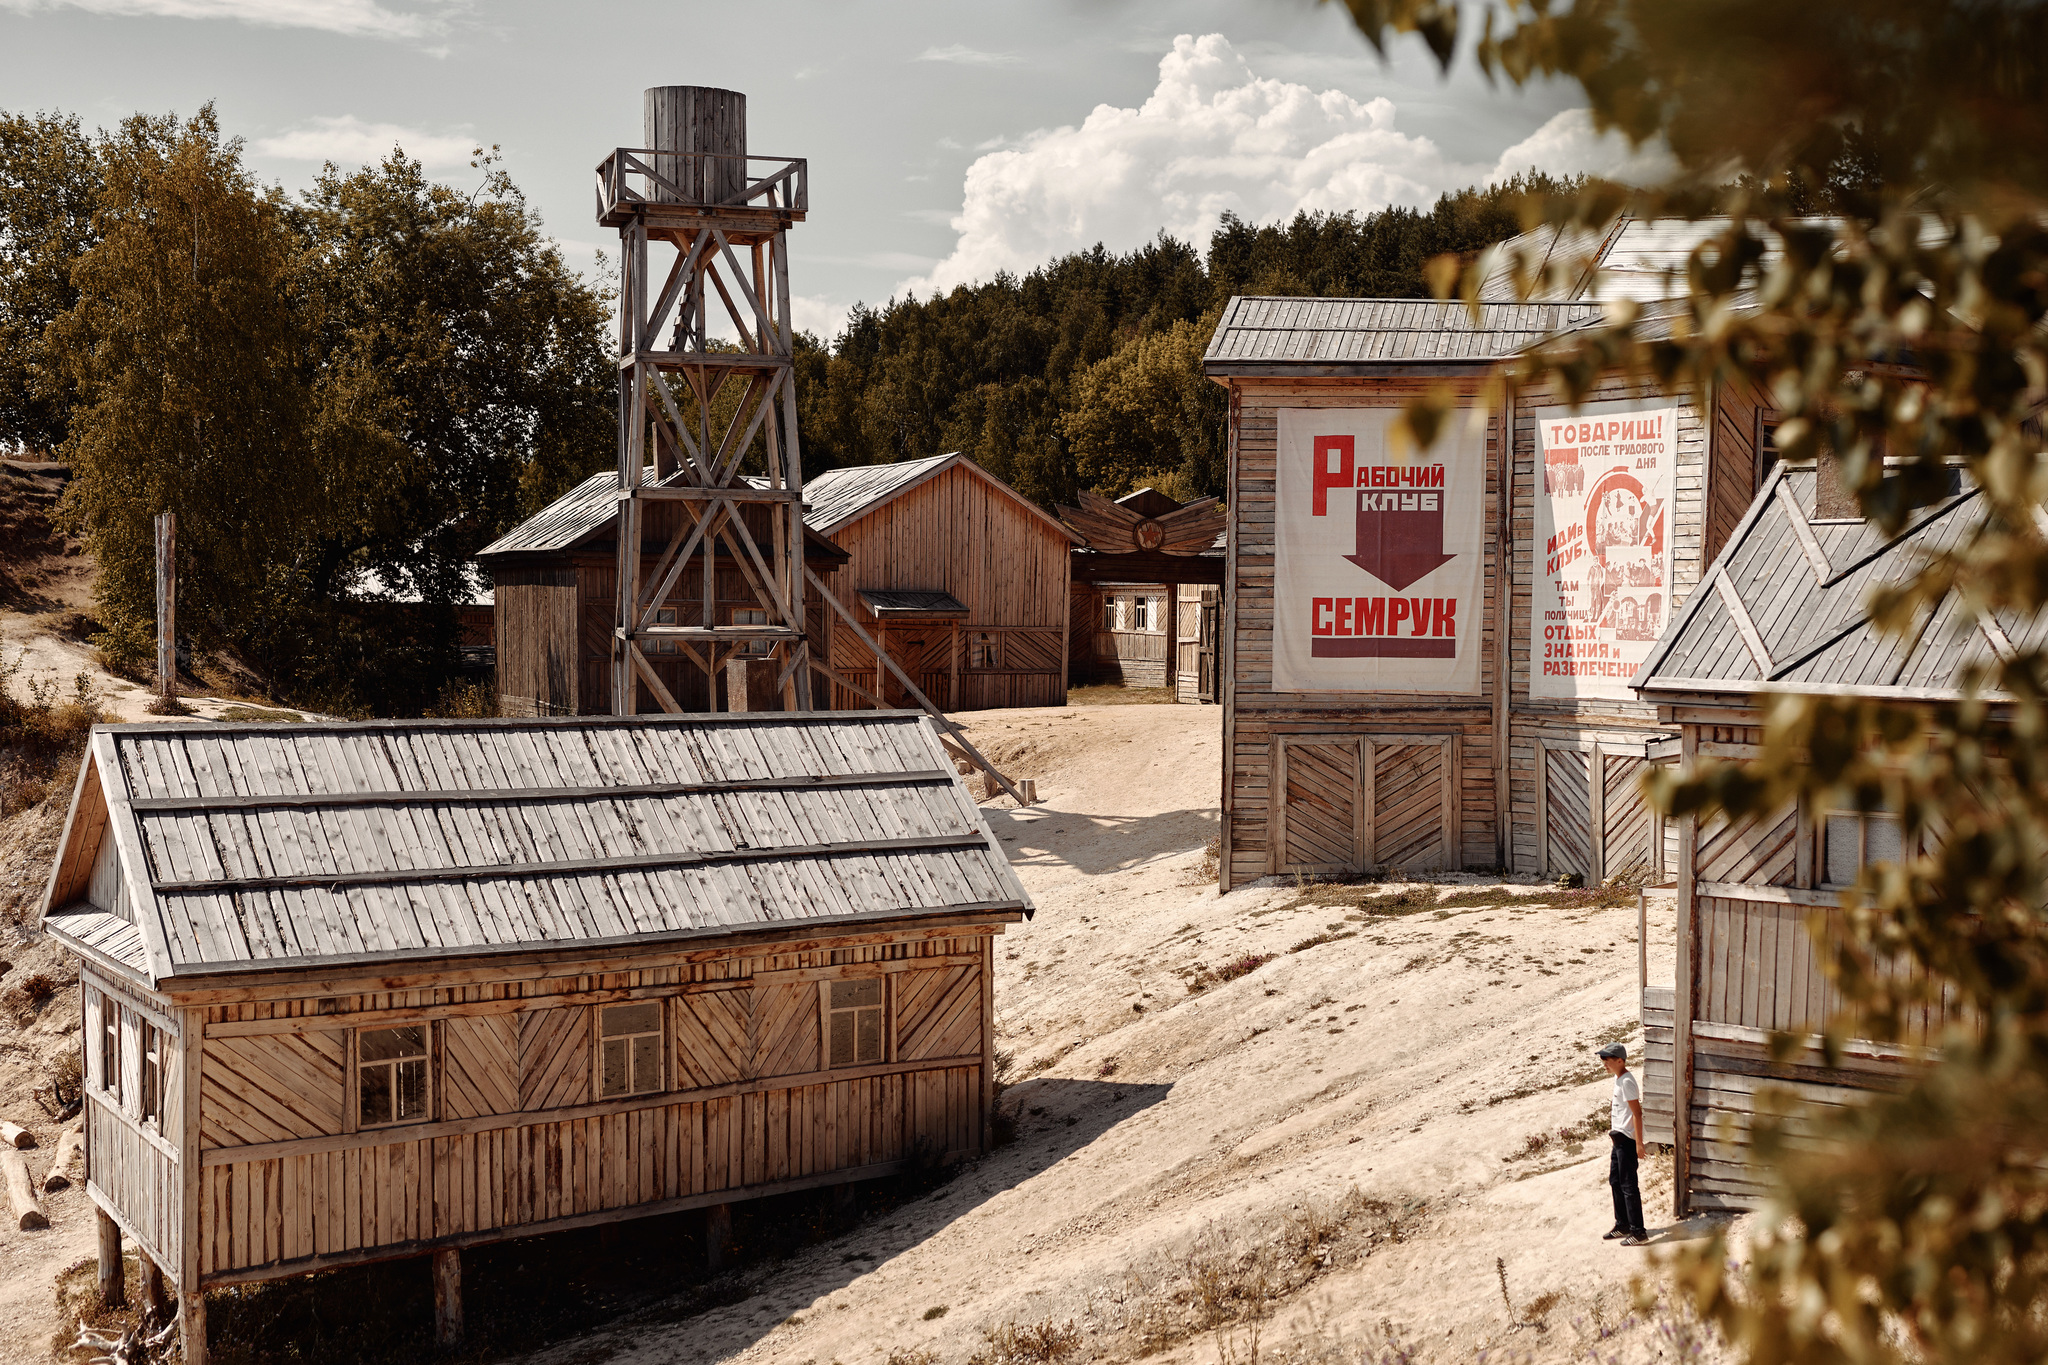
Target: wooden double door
column 1596, row 821
column 1350, row 803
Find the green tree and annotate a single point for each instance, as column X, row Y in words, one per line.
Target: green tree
column 1147, row 414
column 1905, row 337
column 49, row 170
column 191, row 382
column 462, row 379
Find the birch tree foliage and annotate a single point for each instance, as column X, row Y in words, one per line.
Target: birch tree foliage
column 1900, row 337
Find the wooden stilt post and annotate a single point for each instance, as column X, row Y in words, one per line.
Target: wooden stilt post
column 156, row 1295
column 166, row 605
column 717, row 1237
column 736, row 698
column 113, row 1285
column 191, row 1297
column 448, row 1297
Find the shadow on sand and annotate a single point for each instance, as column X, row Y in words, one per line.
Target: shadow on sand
column 526, row 1295
column 1047, row 835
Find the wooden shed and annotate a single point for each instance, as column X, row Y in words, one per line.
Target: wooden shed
column 958, row 575
column 1147, row 593
column 555, row 580
column 1785, row 610
column 1426, row 658
column 363, row 991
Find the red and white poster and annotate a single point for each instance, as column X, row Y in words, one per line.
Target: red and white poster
column 1603, row 546
column 1379, row 556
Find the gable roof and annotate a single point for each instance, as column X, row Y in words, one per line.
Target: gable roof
column 263, row 847
column 1784, row 609
column 839, row 496
column 1308, row 335
column 591, row 507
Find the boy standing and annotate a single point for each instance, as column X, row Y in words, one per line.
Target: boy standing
column 1625, row 1131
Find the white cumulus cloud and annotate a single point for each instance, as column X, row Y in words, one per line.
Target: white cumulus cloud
column 358, row 18
column 350, row 141
column 1215, row 137
column 1568, row 145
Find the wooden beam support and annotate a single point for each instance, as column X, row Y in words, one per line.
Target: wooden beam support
column 448, row 1297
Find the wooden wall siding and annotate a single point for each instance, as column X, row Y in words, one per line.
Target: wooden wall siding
column 135, row 1171
column 955, row 533
column 274, row 1211
column 1737, row 408
column 938, row 1013
column 1255, row 714
column 479, row 1066
column 1567, row 813
column 1759, row 849
column 711, row 1044
column 554, row 1058
column 783, row 1025
column 1629, row 824
column 108, row 888
column 1409, row 813
column 1659, row 1017
column 535, row 624
column 1323, row 819
column 270, row 1089
column 1732, row 1064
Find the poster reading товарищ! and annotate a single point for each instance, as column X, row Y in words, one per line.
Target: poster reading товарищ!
column 1603, row 546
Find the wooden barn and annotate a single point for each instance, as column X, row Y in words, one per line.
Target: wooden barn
column 1426, row 658
column 1785, row 609
column 1147, row 593
column 959, row 576
column 356, row 992
column 555, row 580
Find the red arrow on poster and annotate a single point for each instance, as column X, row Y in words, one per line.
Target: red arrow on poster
column 1400, row 535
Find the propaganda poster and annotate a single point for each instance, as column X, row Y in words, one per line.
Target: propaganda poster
column 1379, row 557
column 1603, row 546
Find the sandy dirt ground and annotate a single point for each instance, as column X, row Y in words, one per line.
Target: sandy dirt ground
column 1384, row 1082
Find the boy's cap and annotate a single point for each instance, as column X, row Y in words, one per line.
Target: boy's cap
column 1614, row 1050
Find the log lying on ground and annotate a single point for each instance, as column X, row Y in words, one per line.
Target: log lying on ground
column 21, row 1190
column 14, row 1135
column 69, row 1165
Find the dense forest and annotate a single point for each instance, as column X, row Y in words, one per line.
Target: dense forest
column 345, row 393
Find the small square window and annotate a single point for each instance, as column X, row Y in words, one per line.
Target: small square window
column 854, row 1028
column 753, row 616
column 1851, row 842
column 666, row 616
column 629, row 1049
column 984, row 651
column 391, row 1075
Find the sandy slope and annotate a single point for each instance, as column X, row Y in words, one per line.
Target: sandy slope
column 1409, row 1060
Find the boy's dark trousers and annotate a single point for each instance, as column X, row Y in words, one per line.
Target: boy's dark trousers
column 1621, row 1179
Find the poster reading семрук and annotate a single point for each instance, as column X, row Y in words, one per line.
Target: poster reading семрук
column 1379, row 555
column 1602, row 589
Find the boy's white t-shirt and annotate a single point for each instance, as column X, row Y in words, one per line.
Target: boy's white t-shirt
column 1625, row 1089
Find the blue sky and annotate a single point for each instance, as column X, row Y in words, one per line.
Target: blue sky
column 946, row 140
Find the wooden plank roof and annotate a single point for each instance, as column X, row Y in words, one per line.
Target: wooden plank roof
column 839, row 496
column 1784, row 609
column 592, row 507
column 250, row 847
column 1291, row 332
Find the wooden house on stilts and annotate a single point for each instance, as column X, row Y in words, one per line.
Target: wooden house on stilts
column 356, row 992
column 1785, row 609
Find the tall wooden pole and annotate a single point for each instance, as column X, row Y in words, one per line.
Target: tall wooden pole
column 166, row 605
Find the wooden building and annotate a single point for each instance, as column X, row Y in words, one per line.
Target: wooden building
column 1426, row 657
column 555, row 579
column 1785, row 608
column 363, row 991
column 1131, row 630
column 959, row 576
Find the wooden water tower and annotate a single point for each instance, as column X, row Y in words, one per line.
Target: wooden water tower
column 704, row 226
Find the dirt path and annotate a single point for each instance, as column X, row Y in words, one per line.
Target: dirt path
column 1165, row 1135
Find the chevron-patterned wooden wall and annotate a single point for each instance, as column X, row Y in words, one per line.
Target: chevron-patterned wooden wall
column 517, row 1139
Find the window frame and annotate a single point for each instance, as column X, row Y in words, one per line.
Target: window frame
column 1141, row 612
column 356, row 1068
column 663, row 616
column 1109, row 612
column 984, row 651
column 598, row 1038
column 753, row 649
column 150, row 1100
column 886, row 1008
column 1863, row 818
column 110, row 1049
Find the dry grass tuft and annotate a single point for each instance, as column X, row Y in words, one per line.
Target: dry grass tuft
column 1201, row 976
column 42, row 736
column 1038, row 1343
